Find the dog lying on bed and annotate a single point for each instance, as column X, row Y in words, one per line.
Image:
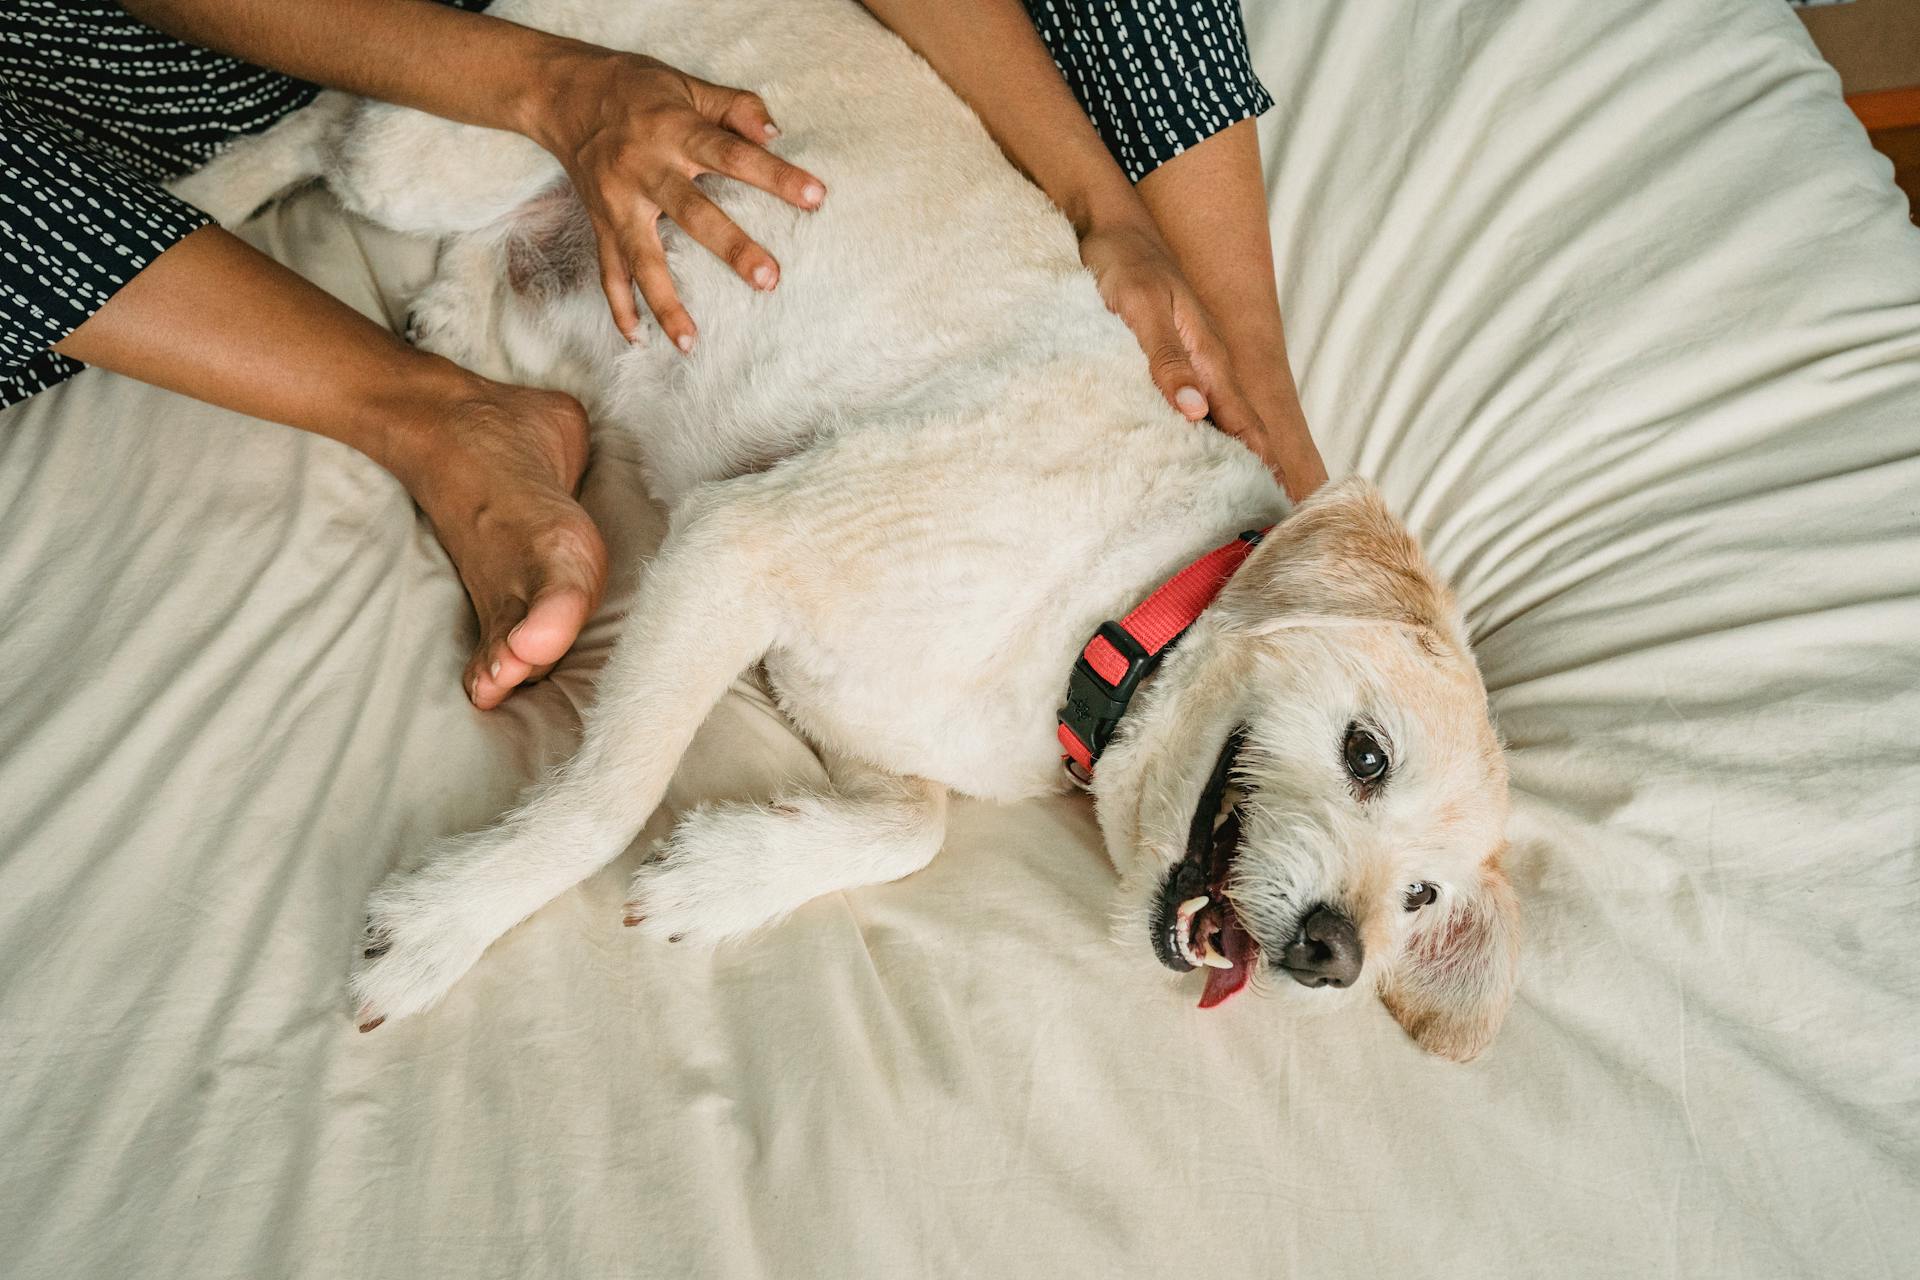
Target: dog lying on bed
column 912, row 483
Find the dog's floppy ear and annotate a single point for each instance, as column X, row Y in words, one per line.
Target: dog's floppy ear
column 1342, row 556
column 1452, row 985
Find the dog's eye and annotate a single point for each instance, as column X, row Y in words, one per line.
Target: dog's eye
column 1419, row 894
column 1366, row 758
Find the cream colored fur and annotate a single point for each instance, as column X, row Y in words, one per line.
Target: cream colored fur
column 910, row 482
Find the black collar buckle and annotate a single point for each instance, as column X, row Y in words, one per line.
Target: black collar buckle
column 1094, row 707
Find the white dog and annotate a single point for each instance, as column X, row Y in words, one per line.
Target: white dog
column 912, row 482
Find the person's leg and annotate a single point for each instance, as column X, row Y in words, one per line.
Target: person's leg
column 493, row 466
column 1211, row 205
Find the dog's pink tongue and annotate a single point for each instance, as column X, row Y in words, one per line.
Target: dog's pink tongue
column 1238, row 946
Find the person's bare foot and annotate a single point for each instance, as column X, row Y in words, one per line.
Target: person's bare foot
column 495, row 468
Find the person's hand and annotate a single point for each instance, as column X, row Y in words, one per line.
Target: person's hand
column 1141, row 283
column 633, row 133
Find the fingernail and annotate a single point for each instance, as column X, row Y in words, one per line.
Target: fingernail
column 494, row 670
column 771, row 129
column 513, row 634
column 684, row 342
column 813, row 193
column 1191, row 402
column 763, row 276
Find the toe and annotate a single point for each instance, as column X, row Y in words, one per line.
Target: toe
column 524, row 640
column 493, row 672
column 551, row 625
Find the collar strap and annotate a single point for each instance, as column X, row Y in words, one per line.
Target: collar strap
column 1122, row 654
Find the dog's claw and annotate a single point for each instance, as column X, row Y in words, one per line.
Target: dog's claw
column 370, row 1025
column 633, row 918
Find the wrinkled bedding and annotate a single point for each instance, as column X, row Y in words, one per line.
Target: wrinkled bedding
column 1616, row 305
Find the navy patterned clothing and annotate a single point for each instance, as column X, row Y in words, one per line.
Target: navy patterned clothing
column 1156, row 76
column 97, row 109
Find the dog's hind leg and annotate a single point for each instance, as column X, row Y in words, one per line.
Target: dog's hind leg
column 257, row 169
column 729, row 869
column 414, row 172
column 507, row 301
column 703, row 615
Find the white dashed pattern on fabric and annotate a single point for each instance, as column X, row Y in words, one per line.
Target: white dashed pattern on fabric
column 1156, row 76
column 97, row 109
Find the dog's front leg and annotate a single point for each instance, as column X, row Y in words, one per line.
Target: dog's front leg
column 728, row 869
column 703, row 615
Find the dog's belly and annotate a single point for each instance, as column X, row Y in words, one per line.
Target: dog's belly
column 932, row 274
column 958, row 450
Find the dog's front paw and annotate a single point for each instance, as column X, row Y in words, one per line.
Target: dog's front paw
column 725, row 871
column 418, row 943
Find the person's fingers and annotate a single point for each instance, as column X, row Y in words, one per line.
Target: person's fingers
column 1230, row 408
column 702, row 219
column 725, row 153
column 617, row 284
column 656, row 286
column 1149, row 315
column 744, row 113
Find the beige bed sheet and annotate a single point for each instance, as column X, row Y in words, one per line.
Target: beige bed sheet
column 1616, row 304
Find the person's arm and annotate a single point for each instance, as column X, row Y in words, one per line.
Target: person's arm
column 631, row 132
column 1211, row 204
column 989, row 53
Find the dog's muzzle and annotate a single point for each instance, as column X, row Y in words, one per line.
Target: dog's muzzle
column 1195, row 924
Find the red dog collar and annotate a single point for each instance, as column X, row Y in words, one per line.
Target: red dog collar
column 1122, row 654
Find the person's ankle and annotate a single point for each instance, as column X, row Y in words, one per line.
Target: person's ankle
column 400, row 421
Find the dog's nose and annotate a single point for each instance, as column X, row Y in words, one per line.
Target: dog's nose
column 1326, row 952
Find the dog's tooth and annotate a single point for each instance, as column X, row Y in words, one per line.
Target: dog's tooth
column 1183, row 927
column 1212, row 958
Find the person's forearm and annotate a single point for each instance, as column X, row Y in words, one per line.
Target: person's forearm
column 214, row 319
column 989, row 53
column 462, row 66
column 1226, row 253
